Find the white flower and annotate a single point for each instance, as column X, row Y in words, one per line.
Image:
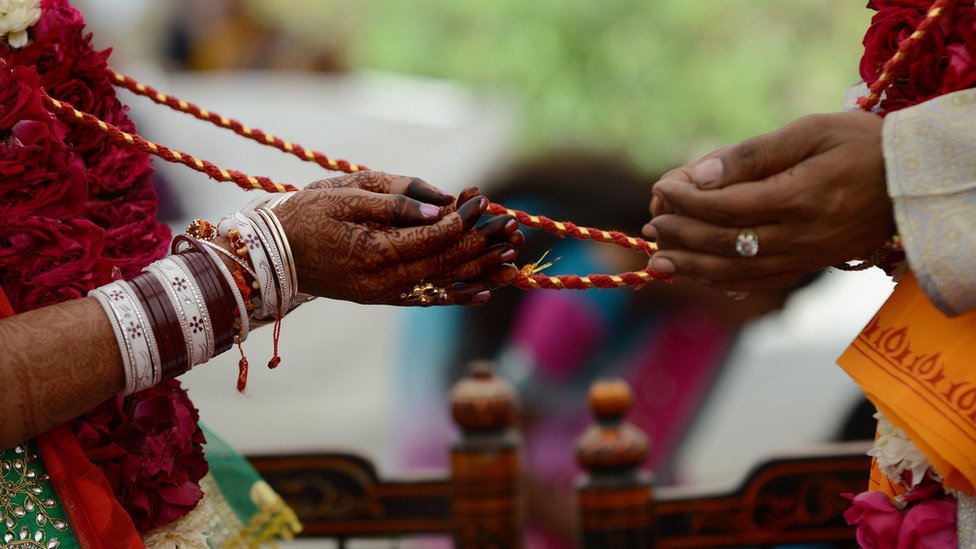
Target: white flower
column 16, row 16
column 188, row 532
column 896, row 454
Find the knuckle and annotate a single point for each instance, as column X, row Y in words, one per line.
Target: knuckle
column 400, row 206
column 719, row 214
column 723, row 241
column 750, row 156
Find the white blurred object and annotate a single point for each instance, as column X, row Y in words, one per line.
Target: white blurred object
column 782, row 389
column 334, row 387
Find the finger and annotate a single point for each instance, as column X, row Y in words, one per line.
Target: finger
column 660, row 205
column 457, row 294
column 516, row 239
column 384, row 183
column 418, row 189
column 712, row 267
column 416, row 242
column 467, row 294
column 759, row 157
column 439, row 271
column 649, row 232
column 472, row 269
column 467, row 194
column 360, row 206
column 695, row 235
column 470, row 245
column 500, row 275
column 742, row 205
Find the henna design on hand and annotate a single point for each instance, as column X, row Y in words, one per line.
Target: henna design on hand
column 346, row 245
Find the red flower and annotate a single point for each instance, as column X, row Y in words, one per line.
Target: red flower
column 133, row 237
column 150, row 449
column 920, row 5
column 148, row 445
column 20, row 97
column 877, row 520
column 960, row 71
column 38, row 254
column 38, row 175
column 940, row 63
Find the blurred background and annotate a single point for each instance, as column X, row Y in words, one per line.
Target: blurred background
column 565, row 108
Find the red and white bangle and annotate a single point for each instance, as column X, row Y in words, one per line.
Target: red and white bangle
column 194, row 320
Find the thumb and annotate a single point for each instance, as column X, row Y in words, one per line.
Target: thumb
column 755, row 159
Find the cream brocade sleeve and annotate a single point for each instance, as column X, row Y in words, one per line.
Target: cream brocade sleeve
column 930, row 159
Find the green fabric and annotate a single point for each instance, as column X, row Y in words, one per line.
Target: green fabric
column 30, row 513
column 233, row 473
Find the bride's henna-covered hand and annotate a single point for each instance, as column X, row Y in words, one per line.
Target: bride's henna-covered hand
column 372, row 246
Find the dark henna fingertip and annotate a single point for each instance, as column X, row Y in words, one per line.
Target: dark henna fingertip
column 419, row 189
column 516, row 239
column 471, row 212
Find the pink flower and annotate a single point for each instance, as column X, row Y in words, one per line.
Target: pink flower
column 878, row 521
column 929, row 525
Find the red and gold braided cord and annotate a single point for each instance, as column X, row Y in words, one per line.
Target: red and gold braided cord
column 242, row 180
column 891, row 66
column 255, row 134
column 527, row 279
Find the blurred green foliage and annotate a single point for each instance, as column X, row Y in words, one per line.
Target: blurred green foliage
column 661, row 80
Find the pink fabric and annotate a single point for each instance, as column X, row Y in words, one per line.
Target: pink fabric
column 559, row 332
column 672, row 374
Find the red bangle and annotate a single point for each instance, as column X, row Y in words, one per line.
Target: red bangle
column 217, row 295
column 166, row 327
column 220, row 314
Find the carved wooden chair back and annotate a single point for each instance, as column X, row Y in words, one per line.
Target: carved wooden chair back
column 790, row 499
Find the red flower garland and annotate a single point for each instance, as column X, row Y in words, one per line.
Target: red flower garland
column 944, row 60
column 76, row 211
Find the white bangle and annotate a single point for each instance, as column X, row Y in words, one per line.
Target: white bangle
column 275, row 248
column 105, row 296
column 189, row 292
column 286, row 256
column 250, row 236
column 137, row 343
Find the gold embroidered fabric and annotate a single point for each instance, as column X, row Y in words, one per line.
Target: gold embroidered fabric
column 31, row 516
column 930, row 159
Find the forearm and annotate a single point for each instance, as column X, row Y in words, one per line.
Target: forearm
column 57, row 362
column 931, row 175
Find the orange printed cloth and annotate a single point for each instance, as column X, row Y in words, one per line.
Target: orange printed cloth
column 918, row 367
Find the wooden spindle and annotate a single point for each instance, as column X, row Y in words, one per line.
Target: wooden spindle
column 486, row 463
column 614, row 495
